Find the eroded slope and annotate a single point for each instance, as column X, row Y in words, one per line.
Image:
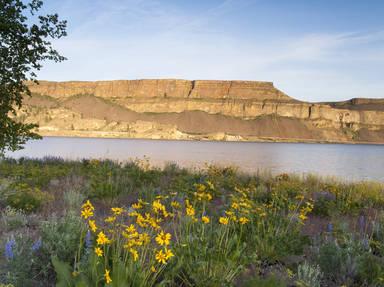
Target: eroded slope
column 181, row 109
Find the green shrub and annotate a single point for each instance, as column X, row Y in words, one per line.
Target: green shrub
column 73, row 200
column 210, row 257
column 61, row 236
column 13, row 219
column 289, row 187
column 107, row 181
column 308, row 275
column 27, row 198
column 275, row 230
column 338, row 259
column 324, row 206
column 270, row 281
column 370, row 270
column 21, row 269
column 139, row 173
column 36, row 173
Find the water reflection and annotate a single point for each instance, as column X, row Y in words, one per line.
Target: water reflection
column 351, row 162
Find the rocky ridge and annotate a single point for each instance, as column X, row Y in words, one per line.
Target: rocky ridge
column 182, row 109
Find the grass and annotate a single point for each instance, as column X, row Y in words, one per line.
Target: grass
column 103, row 223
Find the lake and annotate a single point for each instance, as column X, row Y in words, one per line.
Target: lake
column 346, row 161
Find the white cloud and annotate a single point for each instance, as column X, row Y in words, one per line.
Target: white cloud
column 144, row 39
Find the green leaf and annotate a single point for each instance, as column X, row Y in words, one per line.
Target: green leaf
column 63, row 272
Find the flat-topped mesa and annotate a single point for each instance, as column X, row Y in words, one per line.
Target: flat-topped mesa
column 200, row 89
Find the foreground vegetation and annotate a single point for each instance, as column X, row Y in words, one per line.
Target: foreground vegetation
column 101, row 223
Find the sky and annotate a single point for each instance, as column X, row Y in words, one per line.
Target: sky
column 313, row 50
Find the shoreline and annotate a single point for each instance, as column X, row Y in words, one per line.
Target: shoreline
column 202, row 138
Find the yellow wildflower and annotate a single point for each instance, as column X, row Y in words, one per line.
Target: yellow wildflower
column 130, row 235
column 166, row 213
column 110, row 219
column 157, row 206
column 133, row 214
column 137, row 206
column 142, row 201
column 154, row 223
column 92, row 225
column 302, row 216
column 205, row 219
column 117, row 210
column 263, row 214
column 163, row 238
column 140, row 220
column 200, row 187
column 134, row 254
column 88, row 205
column 153, row 269
column 190, row 211
column 309, row 207
column 235, row 205
column 86, row 213
column 210, row 185
column 102, row 239
column 99, row 251
column 129, row 244
column 161, row 257
column 131, row 229
column 243, row 220
column 168, row 253
column 245, row 205
column 107, row 277
column 224, row 220
column 144, row 238
column 175, row 204
column 229, row 213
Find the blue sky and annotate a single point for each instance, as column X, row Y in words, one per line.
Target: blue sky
column 314, row 50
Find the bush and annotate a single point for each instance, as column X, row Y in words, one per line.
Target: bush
column 308, row 275
column 213, row 257
column 107, row 181
column 73, row 200
column 377, row 240
column 339, row 259
column 275, row 229
column 61, row 236
column 26, row 198
column 36, row 173
column 13, row 218
column 371, row 270
column 21, row 256
column 270, row 281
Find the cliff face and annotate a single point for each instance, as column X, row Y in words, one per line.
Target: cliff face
column 181, row 109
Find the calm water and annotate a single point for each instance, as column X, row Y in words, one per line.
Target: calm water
column 349, row 162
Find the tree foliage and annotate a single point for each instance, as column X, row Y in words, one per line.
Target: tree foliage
column 25, row 45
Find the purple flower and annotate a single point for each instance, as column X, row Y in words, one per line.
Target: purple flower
column 9, row 249
column 366, row 243
column 37, row 245
column 88, row 240
column 330, row 227
column 362, row 223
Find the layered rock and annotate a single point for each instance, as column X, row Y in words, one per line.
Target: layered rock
column 227, row 110
column 163, row 89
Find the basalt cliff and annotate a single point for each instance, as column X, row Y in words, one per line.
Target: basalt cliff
column 182, row 109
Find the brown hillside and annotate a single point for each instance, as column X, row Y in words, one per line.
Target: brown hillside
column 181, row 109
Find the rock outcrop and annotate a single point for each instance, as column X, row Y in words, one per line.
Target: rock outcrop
column 181, row 109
